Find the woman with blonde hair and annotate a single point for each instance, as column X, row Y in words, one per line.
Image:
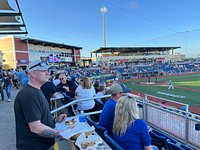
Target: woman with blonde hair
column 85, row 90
column 129, row 131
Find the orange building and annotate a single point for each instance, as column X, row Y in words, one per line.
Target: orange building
column 18, row 51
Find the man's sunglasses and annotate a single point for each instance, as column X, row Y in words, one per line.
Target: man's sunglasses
column 42, row 64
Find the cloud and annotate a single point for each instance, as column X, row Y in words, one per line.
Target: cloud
column 134, row 5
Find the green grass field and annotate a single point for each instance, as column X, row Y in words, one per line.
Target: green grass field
column 185, row 85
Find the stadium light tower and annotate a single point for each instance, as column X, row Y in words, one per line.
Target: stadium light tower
column 103, row 11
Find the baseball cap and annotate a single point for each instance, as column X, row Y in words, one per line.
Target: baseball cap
column 119, row 88
column 38, row 65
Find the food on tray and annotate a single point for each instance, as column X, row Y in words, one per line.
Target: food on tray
column 90, row 143
column 85, row 145
column 71, row 122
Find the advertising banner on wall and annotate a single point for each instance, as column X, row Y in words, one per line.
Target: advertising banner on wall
column 23, row 61
column 53, row 59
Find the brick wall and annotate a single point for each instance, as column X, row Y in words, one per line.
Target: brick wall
column 7, row 47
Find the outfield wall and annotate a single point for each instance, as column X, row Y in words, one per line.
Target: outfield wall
column 193, row 109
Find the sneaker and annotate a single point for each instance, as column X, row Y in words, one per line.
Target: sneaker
column 2, row 99
column 9, row 100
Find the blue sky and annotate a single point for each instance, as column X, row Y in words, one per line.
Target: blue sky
column 128, row 23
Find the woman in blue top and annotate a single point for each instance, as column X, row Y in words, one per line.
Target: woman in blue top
column 129, row 131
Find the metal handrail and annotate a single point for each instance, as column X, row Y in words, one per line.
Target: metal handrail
column 78, row 100
column 93, row 113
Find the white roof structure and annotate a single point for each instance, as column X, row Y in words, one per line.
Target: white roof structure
column 11, row 20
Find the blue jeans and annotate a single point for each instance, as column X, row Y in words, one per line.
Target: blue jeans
column 8, row 90
column 2, row 94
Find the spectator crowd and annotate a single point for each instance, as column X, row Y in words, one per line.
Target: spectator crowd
column 119, row 115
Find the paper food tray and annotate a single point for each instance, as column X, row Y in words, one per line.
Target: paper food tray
column 79, row 128
column 63, row 126
column 90, row 143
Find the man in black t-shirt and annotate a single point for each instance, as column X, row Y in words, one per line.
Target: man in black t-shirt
column 34, row 122
column 49, row 91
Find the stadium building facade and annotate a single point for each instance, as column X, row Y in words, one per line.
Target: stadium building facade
column 137, row 54
column 18, row 51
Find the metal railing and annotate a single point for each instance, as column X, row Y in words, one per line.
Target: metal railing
column 174, row 122
column 76, row 101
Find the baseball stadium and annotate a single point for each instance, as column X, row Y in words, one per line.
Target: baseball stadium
column 153, row 79
column 122, row 97
column 165, row 89
column 186, row 89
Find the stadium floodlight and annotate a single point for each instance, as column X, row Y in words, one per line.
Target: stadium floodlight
column 103, row 11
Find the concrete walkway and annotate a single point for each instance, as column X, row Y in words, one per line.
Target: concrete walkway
column 7, row 123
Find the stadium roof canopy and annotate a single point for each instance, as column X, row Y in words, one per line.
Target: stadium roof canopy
column 52, row 44
column 132, row 49
column 11, row 20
